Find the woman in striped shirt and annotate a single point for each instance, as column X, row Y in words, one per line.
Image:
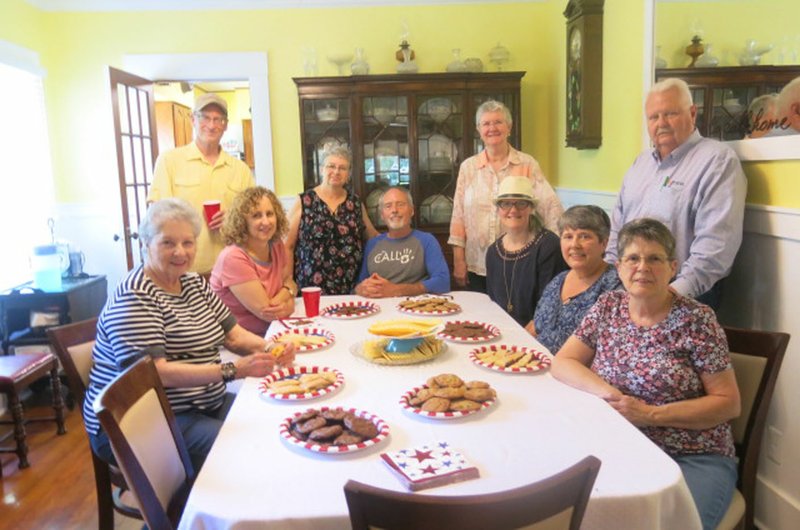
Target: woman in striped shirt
column 162, row 310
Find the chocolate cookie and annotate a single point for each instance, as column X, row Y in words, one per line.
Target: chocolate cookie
column 334, row 415
column 307, row 415
column 326, row 433
column 361, row 427
column 347, row 438
column 312, row 424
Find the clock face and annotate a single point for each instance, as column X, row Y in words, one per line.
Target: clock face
column 575, row 43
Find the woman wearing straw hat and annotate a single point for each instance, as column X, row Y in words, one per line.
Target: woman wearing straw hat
column 523, row 260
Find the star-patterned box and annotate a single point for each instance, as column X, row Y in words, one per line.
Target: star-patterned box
column 429, row 466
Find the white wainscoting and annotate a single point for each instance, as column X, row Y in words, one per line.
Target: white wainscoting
column 762, row 292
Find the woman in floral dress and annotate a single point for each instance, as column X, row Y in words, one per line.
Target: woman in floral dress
column 661, row 360
column 328, row 227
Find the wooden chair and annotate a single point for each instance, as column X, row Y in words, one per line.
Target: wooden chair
column 149, row 447
column 72, row 344
column 557, row 502
column 756, row 357
column 18, row 372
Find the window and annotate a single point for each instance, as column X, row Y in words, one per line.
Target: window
column 26, row 186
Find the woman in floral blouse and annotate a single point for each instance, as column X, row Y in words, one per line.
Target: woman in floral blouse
column 661, row 360
column 327, row 230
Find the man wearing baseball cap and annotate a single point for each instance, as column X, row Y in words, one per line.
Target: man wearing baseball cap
column 201, row 171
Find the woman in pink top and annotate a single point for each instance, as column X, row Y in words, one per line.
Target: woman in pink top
column 250, row 274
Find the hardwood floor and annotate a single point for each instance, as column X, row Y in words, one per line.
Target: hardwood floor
column 57, row 491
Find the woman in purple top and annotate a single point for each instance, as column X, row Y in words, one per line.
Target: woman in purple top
column 661, row 360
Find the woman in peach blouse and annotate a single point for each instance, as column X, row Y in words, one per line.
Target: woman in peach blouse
column 474, row 225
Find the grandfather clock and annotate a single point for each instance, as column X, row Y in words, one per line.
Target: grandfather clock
column 584, row 73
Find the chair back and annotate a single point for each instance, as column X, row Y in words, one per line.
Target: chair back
column 558, row 501
column 149, row 447
column 72, row 344
column 756, row 357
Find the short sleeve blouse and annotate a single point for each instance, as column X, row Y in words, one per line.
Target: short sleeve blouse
column 661, row 363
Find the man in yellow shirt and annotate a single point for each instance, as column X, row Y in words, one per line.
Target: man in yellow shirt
column 201, row 171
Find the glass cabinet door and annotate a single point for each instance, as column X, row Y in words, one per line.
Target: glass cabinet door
column 440, row 132
column 326, row 124
column 386, row 157
column 729, row 112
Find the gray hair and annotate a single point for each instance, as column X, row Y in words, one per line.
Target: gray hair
column 405, row 191
column 339, row 151
column 670, row 83
column 168, row 210
column 586, row 217
column 649, row 230
column 789, row 94
column 763, row 109
column 493, row 106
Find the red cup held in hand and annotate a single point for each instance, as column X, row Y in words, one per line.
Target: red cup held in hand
column 210, row 208
column 311, row 297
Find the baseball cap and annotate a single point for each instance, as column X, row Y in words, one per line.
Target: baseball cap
column 210, row 98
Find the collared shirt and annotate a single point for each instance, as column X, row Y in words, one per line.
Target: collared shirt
column 698, row 192
column 475, row 224
column 184, row 173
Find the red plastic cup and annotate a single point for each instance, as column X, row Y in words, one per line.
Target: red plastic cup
column 210, row 208
column 311, row 297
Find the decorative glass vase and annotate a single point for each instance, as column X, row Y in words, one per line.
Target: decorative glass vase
column 457, row 65
column 360, row 65
column 707, row 60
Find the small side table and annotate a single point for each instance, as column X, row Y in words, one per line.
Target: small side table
column 79, row 298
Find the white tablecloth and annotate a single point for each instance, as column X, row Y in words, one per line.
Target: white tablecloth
column 255, row 479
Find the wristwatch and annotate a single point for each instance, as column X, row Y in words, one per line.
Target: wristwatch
column 228, row 372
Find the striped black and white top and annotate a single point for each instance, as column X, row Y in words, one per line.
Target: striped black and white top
column 143, row 319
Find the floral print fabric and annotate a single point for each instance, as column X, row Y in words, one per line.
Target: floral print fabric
column 556, row 321
column 661, row 363
column 329, row 245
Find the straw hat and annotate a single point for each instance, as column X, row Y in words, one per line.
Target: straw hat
column 515, row 188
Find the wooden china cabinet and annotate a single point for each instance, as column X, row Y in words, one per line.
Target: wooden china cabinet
column 411, row 130
column 723, row 94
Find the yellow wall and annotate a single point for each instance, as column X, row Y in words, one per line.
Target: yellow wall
column 602, row 169
column 727, row 25
column 76, row 47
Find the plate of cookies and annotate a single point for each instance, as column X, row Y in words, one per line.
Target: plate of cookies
column 468, row 331
column 447, row 396
column 515, row 359
column 301, row 383
column 429, row 305
column 350, row 310
column 306, row 339
column 334, row 430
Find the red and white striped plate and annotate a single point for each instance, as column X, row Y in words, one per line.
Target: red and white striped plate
column 356, row 309
column 492, row 332
column 383, row 433
column 294, row 373
column 450, row 415
column 543, row 358
column 299, row 333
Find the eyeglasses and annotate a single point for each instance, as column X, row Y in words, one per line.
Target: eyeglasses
column 519, row 205
column 635, row 260
column 396, row 204
column 205, row 119
column 334, row 167
column 491, row 123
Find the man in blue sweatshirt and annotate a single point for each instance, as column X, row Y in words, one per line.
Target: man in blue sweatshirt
column 403, row 261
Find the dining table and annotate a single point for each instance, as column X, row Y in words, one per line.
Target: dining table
column 255, row 478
